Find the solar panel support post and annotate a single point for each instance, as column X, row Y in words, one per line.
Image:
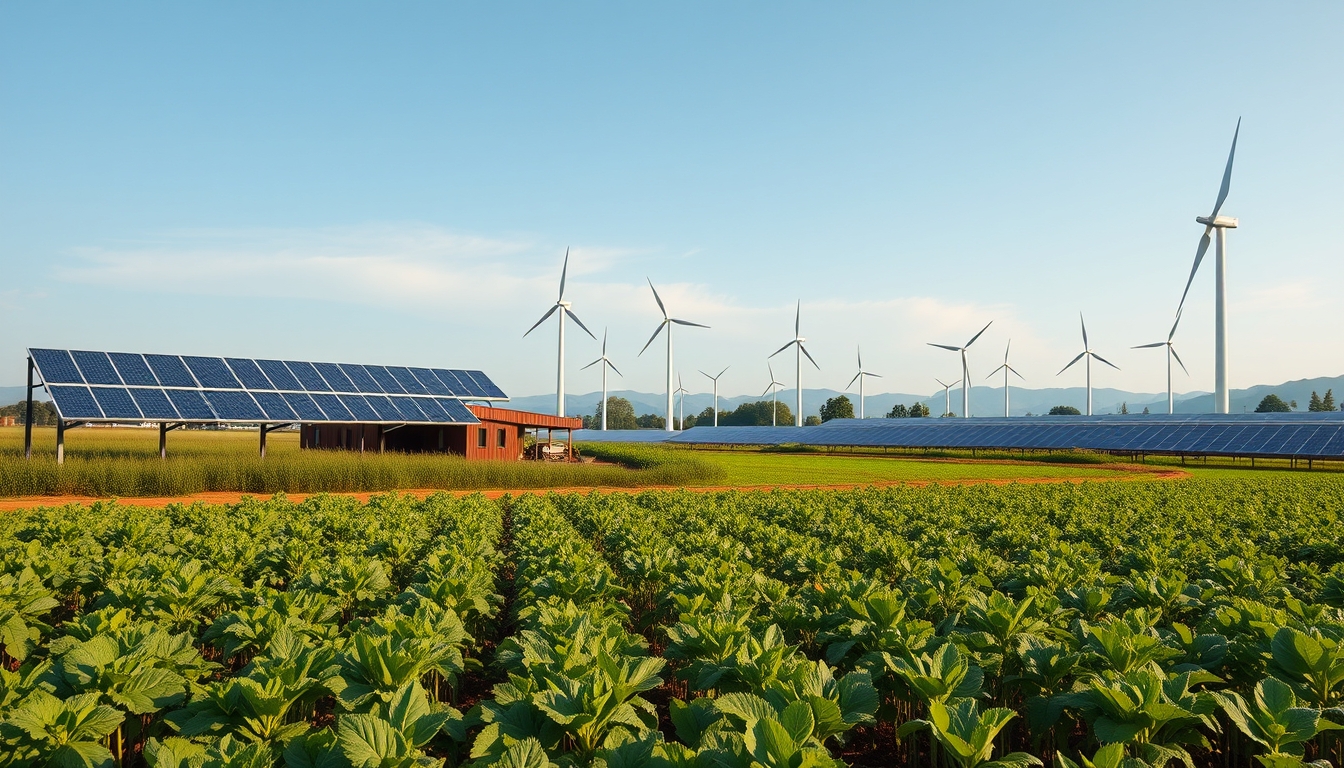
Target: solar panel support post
column 28, row 415
column 262, row 447
column 163, row 439
column 60, row 441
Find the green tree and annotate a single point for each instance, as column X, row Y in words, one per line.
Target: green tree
column 620, row 414
column 1065, row 410
column 1272, row 404
column 1124, row 409
column 918, row 411
column 898, row 411
column 44, row 413
column 756, row 414
column 1328, row 402
column 649, row 421
column 837, row 408
column 1314, row 405
column 812, row 421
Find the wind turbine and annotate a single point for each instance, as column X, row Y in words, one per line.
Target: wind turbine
column 606, row 363
column 563, row 306
column 773, row 389
column 715, row 379
column 798, row 353
column 1222, row 224
column 681, row 404
column 859, row 378
column 1089, row 354
column 965, row 369
column 1006, row 368
column 667, row 323
column 1171, row 352
column 947, row 395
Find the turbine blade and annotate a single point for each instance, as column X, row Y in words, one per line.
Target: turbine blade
column 874, row 375
column 576, row 319
column 1174, row 323
column 1178, row 360
column 549, row 312
column 590, row 365
column 706, row 375
column 725, row 370
column 654, row 336
column 944, row 346
column 1071, row 362
column 1015, row 373
column 563, row 271
column 656, row 298
column 767, row 389
column 809, row 357
column 940, row 382
column 687, row 322
column 955, row 383
column 1227, row 173
column 976, row 336
column 614, row 368
column 851, row 381
column 604, row 342
column 996, row 370
column 1084, row 325
column 1199, row 256
column 781, row 349
column 1104, row 360
column 1150, row 346
column 1006, row 350
column 797, row 318
column 860, row 351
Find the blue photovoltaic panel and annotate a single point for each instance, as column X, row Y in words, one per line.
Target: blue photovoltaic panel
column 116, row 403
column 432, row 409
column 279, row 375
column 56, row 366
column 361, row 378
column 190, row 405
column 170, row 371
column 304, row 406
column 385, row 409
column 308, row 376
column 431, row 382
column 459, row 412
column 95, row 366
column 153, row 403
column 408, row 408
column 487, row 386
column 469, row 384
column 385, row 380
column 248, row 373
column 212, row 372
column 407, row 380
column 133, row 369
column 450, row 382
column 334, row 409
column 275, row 406
column 335, row 377
column 360, row 408
column 236, row 406
column 75, row 403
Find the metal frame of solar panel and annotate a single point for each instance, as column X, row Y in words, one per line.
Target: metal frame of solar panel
column 89, row 386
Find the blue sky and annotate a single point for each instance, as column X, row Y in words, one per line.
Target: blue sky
column 398, row 183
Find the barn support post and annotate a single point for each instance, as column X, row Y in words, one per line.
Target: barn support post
column 163, row 439
column 28, row 416
column 382, row 440
column 361, row 439
column 262, row 447
column 60, row 441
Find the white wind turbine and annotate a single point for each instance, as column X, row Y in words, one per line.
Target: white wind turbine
column 798, row 370
column 947, row 395
column 681, row 403
column 1171, row 352
column 773, row 390
column 1222, row 224
column 1006, row 368
column 563, row 306
column 715, row 379
column 667, row 323
column 965, row 369
column 606, row 363
column 1089, row 354
column 859, row 378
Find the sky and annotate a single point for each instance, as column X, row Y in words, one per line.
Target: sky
column 398, row 184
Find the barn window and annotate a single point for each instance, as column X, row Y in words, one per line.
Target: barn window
column 480, row 437
column 502, row 437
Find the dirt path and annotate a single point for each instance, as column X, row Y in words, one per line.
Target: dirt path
column 1122, row 472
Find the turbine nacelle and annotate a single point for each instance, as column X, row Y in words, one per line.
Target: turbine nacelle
column 1222, row 222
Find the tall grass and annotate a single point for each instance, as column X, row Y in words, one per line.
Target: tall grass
column 124, row 462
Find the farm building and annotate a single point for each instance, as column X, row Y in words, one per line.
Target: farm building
column 336, row 405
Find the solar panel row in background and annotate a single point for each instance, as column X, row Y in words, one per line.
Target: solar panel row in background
column 118, row 386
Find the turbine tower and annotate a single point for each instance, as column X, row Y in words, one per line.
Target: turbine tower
column 563, row 306
column 798, row 363
column 773, row 390
column 947, row 395
column 859, row 378
column 1222, row 224
column 1089, row 354
column 667, row 323
column 606, row 363
column 965, row 369
column 715, row 379
column 681, row 403
column 1006, row 368
column 1171, row 352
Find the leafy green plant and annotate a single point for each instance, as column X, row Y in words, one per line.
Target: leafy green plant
column 967, row 734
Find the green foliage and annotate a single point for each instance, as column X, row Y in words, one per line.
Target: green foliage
column 1065, row 410
column 620, row 414
column 838, row 407
column 1272, row 403
column 757, row 414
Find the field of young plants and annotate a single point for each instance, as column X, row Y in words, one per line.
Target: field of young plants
column 1196, row 623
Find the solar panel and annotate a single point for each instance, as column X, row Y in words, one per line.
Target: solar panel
column 384, row 408
column 450, row 382
column 457, row 411
column 308, row 376
column 190, row 404
column 304, row 406
column 248, row 372
column 386, row 382
column 361, row 378
column 96, row 367
column 408, row 408
column 56, row 366
column 116, row 403
column 430, row 382
column 472, row 388
column 75, row 402
column 332, row 406
column 433, row 410
column 212, row 372
column 275, row 407
column 279, row 375
column 170, row 371
column 133, row 369
column 234, row 406
column 407, row 380
column 153, row 403
column 336, row 379
column 487, row 387
column 359, row 407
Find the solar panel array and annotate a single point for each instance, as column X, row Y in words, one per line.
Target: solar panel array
column 121, row 387
column 1267, row 435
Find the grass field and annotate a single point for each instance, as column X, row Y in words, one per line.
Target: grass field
column 761, row 468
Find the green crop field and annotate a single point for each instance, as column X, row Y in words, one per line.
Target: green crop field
column 743, row 468
column 1110, row 624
